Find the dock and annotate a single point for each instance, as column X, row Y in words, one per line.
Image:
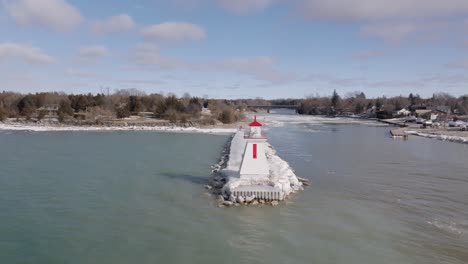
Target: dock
column 393, row 122
column 399, row 132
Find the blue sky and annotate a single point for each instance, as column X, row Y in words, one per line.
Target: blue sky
column 235, row 48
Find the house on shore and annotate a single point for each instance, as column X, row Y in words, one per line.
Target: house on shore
column 48, row 110
column 427, row 114
column 403, row 112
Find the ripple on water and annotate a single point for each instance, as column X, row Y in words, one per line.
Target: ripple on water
column 448, row 226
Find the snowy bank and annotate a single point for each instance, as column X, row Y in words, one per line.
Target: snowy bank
column 44, row 128
column 457, row 139
column 281, row 175
column 311, row 120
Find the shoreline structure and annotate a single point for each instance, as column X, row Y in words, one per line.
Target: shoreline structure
column 226, row 177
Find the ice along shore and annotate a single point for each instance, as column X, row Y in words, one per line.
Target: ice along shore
column 173, row 129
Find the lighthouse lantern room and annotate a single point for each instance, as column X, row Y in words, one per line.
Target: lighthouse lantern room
column 254, row 163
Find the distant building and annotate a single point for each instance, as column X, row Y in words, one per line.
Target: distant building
column 49, row 110
column 423, row 112
column 403, row 112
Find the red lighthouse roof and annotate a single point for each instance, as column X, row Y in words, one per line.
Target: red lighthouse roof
column 255, row 123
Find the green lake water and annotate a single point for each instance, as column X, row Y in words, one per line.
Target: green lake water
column 138, row 197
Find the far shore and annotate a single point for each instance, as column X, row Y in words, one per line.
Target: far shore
column 162, row 127
column 444, row 133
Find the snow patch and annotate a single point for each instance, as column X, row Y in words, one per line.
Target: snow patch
column 44, row 128
column 278, row 120
column 440, row 137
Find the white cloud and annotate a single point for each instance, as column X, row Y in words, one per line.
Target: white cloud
column 244, row 6
column 381, row 9
column 387, row 87
column 390, row 32
column 93, row 52
column 83, row 74
column 396, row 32
column 259, row 68
column 149, row 55
column 55, row 14
column 25, row 52
column 392, row 21
column 232, row 6
column 173, row 32
column 118, row 23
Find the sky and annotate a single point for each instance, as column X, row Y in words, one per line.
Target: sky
column 235, row 48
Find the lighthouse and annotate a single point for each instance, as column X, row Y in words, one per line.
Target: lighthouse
column 254, row 165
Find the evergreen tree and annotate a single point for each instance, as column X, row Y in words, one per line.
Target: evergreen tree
column 359, row 108
column 412, row 99
column 65, row 108
column 27, row 106
column 335, row 100
column 134, row 104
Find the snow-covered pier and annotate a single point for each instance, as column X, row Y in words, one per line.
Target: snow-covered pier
column 254, row 173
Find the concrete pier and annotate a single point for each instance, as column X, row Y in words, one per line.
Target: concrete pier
column 399, row 132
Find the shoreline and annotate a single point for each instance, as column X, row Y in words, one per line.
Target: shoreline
column 440, row 136
column 227, row 129
column 31, row 127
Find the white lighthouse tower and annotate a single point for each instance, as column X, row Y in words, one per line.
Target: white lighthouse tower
column 254, row 165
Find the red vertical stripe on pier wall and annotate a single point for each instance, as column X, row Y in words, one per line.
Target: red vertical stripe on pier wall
column 255, row 151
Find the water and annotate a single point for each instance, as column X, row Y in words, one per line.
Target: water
column 138, row 197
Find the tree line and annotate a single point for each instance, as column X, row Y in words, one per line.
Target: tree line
column 124, row 103
column 120, row 104
column 384, row 107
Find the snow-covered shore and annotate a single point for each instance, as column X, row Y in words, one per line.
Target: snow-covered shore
column 457, row 139
column 174, row 129
column 281, row 176
column 273, row 120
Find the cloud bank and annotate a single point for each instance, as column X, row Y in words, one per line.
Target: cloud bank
column 27, row 53
column 173, row 32
column 113, row 24
column 93, row 52
column 55, row 14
